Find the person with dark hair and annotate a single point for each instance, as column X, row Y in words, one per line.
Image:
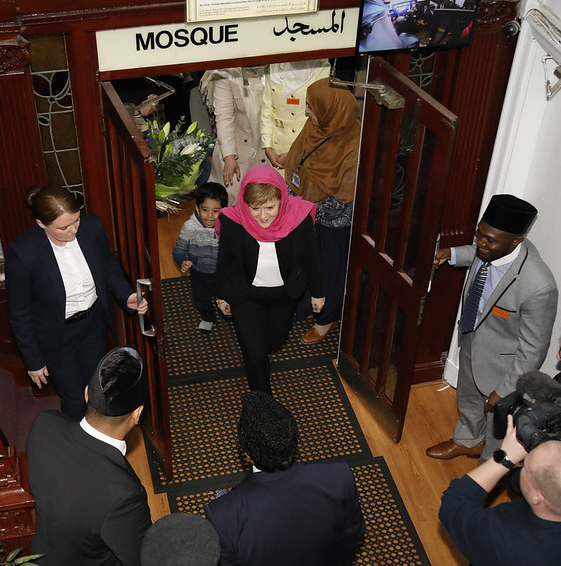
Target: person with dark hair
column 180, row 539
column 60, row 280
column 91, row 507
column 196, row 249
column 267, row 256
column 285, row 512
column 508, row 309
column 274, row 445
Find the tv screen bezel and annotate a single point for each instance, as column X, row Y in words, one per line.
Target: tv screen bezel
column 422, row 49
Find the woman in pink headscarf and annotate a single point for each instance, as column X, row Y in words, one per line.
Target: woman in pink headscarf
column 267, row 256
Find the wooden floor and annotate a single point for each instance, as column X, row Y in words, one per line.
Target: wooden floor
column 421, row 480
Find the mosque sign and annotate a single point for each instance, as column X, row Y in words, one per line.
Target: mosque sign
column 175, row 44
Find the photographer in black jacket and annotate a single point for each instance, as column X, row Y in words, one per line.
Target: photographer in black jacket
column 521, row 532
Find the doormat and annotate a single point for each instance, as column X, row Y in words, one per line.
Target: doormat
column 206, row 385
column 204, row 415
column 191, row 353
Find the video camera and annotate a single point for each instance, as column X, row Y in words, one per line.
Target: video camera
column 535, row 407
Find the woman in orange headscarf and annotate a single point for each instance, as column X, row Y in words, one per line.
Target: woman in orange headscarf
column 321, row 167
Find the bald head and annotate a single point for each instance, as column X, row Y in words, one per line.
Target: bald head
column 542, row 471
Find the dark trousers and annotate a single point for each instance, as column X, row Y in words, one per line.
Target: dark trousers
column 84, row 343
column 203, row 287
column 333, row 250
column 262, row 324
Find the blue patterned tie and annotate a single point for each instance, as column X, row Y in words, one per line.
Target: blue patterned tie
column 471, row 306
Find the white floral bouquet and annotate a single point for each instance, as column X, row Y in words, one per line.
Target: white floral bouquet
column 177, row 155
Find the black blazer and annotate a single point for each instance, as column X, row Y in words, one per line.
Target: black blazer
column 91, row 506
column 238, row 252
column 307, row 515
column 36, row 295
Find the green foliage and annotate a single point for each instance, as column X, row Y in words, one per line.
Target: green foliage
column 12, row 559
column 176, row 152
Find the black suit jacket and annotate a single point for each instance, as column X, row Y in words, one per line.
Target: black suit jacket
column 36, row 295
column 91, row 506
column 308, row 515
column 297, row 253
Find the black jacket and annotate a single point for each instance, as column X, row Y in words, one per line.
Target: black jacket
column 91, row 506
column 297, row 253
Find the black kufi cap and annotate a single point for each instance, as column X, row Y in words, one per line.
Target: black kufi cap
column 180, row 538
column 119, row 384
column 509, row 214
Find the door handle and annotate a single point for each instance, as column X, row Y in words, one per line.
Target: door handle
column 436, row 248
column 139, row 283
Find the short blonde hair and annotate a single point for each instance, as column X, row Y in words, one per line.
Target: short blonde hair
column 260, row 193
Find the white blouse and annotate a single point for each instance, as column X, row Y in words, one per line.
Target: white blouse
column 268, row 271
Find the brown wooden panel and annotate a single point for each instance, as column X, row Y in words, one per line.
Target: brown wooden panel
column 133, row 206
column 17, row 506
column 54, row 16
column 21, row 154
column 471, row 82
column 82, row 62
column 30, row 7
column 392, row 242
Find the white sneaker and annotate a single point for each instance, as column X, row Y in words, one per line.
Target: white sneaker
column 205, row 326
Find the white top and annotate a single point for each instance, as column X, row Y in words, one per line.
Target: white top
column 76, row 276
column 268, row 271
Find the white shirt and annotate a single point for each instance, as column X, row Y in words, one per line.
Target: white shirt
column 76, row 276
column 268, row 271
column 120, row 445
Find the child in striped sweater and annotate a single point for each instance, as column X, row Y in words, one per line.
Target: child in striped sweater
column 196, row 249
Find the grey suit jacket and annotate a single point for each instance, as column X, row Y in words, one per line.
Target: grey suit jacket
column 514, row 332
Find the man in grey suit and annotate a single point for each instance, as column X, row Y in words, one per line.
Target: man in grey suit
column 509, row 305
column 91, row 507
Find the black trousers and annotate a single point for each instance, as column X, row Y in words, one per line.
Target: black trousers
column 203, row 287
column 333, row 250
column 84, row 343
column 262, row 324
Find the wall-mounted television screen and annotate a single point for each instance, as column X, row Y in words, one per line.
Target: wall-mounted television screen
column 387, row 26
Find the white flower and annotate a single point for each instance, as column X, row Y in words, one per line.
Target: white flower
column 189, row 149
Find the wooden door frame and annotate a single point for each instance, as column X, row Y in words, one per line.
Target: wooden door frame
column 408, row 293
column 133, row 199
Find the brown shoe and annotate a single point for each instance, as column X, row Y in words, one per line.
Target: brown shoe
column 449, row 449
column 312, row 336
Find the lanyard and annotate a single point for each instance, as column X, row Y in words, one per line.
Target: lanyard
column 310, row 153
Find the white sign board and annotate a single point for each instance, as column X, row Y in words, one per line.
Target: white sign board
column 174, row 44
column 199, row 10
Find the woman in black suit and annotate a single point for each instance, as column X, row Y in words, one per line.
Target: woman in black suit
column 267, row 256
column 60, row 277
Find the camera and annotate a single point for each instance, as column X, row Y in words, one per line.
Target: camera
column 535, row 407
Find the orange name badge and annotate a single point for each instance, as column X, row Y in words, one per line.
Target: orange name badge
column 293, row 101
column 501, row 312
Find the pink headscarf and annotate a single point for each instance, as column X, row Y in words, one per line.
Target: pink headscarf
column 292, row 210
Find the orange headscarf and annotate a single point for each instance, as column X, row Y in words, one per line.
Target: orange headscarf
column 331, row 169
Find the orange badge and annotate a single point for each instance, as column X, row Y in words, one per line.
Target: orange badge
column 293, row 101
column 501, row 313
